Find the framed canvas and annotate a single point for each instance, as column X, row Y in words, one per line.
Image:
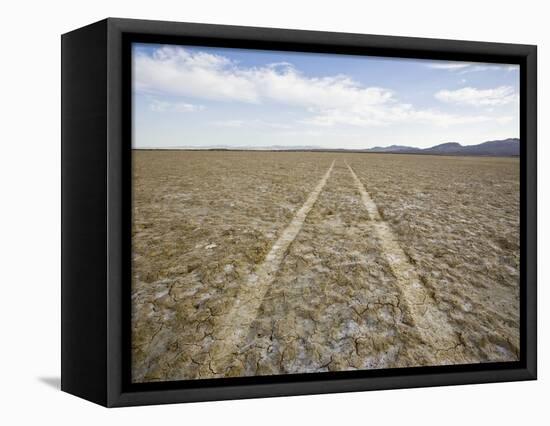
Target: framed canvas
column 254, row 212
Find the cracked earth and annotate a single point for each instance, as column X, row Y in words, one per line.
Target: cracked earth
column 262, row 263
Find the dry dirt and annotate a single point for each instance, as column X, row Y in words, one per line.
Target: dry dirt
column 258, row 263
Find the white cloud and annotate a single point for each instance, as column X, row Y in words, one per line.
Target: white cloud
column 328, row 101
column 463, row 67
column 164, row 106
column 392, row 115
column 175, row 71
column 478, row 68
column 448, row 65
column 498, row 96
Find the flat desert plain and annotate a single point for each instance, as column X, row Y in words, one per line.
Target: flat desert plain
column 261, row 263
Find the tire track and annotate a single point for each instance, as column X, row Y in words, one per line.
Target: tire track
column 234, row 326
column 423, row 313
column 335, row 303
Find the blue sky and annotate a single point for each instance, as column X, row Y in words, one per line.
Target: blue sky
column 187, row 96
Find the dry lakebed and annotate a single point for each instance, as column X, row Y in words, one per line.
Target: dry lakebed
column 250, row 263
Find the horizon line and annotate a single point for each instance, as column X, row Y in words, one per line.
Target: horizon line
column 299, row 147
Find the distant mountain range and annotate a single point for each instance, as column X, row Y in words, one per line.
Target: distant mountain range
column 500, row 148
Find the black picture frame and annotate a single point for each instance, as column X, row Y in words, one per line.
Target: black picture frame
column 96, row 183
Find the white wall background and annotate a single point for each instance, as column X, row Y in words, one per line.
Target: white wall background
column 30, row 210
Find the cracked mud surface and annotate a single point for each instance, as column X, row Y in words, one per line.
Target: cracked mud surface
column 202, row 223
column 217, row 292
column 334, row 304
column 457, row 219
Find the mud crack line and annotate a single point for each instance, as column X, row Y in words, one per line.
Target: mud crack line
column 234, row 327
column 431, row 323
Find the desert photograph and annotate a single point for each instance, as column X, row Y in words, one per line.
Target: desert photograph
column 305, row 213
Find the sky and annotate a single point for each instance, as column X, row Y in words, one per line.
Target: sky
column 188, row 96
